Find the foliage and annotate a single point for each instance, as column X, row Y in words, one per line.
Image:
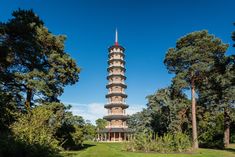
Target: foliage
column 167, row 143
column 49, row 127
column 193, row 58
column 167, row 111
column 35, row 65
column 100, row 124
column 70, row 128
column 8, row 111
column 218, row 91
column 140, row 121
column 34, row 69
column 36, row 130
column 12, row 147
column 210, row 128
column 170, row 111
column 89, row 131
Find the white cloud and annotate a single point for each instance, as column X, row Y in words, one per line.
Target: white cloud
column 93, row 111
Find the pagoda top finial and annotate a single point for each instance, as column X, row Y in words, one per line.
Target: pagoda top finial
column 116, row 38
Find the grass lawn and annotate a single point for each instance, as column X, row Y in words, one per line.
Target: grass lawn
column 115, row 150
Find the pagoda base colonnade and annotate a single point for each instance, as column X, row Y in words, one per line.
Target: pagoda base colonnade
column 114, row 136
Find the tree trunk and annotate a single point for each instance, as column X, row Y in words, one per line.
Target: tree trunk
column 226, row 127
column 194, row 120
column 28, row 99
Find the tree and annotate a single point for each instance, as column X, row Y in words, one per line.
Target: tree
column 89, row 131
column 169, row 111
column 233, row 36
column 190, row 61
column 140, row 121
column 101, row 124
column 8, row 111
column 68, row 127
column 220, row 91
column 36, row 64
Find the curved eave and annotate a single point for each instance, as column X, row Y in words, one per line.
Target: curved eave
column 116, row 46
column 124, row 106
column 116, row 75
column 116, row 94
column 120, row 60
column 116, row 117
column 116, row 84
column 112, row 67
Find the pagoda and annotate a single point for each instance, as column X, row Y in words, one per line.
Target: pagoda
column 117, row 129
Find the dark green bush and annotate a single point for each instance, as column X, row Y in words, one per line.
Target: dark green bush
column 211, row 130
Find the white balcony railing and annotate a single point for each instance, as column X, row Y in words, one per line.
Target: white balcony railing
column 111, row 82
column 123, row 114
column 116, row 126
column 117, row 102
column 116, row 92
column 117, row 57
column 116, row 73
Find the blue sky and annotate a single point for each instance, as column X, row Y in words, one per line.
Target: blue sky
column 147, row 28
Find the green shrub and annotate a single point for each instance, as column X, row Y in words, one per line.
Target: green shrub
column 167, row 143
column 43, row 132
column 182, row 142
column 33, row 134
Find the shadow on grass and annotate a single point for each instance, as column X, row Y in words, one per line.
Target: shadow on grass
column 231, row 148
column 85, row 146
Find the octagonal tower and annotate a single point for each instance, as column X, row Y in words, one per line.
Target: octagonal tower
column 117, row 129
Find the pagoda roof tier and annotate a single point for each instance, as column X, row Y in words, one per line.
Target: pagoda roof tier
column 116, row 94
column 112, row 67
column 121, row 53
column 107, row 130
column 115, row 117
column 112, row 60
column 124, row 106
column 116, row 75
column 116, row 84
column 116, row 46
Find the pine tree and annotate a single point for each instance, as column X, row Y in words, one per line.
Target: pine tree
column 190, row 61
column 36, row 64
